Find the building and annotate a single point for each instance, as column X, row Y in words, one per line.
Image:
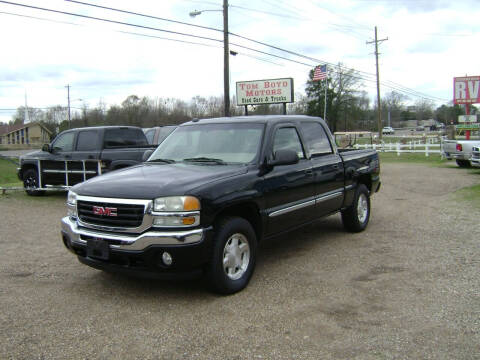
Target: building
column 24, row 134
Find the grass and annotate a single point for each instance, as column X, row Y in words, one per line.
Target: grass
column 470, row 194
column 415, row 158
column 8, row 174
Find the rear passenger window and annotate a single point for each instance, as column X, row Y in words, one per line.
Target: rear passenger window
column 87, row 141
column 316, row 138
column 287, row 138
column 124, row 137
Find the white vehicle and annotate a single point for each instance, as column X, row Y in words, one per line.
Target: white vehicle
column 475, row 159
column 460, row 151
column 388, row 130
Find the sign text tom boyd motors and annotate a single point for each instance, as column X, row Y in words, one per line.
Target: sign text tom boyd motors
column 272, row 91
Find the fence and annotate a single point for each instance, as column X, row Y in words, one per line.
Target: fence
column 427, row 146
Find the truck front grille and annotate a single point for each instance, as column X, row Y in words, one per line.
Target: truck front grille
column 476, row 153
column 109, row 214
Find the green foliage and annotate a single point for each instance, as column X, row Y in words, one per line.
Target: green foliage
column 345, row 102
column 8, row 174
column 417, row 158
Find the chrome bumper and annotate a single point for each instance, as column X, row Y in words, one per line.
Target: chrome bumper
column 132, row 242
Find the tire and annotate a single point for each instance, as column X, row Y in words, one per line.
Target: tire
column 463, row 163
column 30, row 182
column 356, row 217
column 233, row 256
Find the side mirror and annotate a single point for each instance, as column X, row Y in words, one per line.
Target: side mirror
column 46, row 148
column 146, row 155
column 284, row 157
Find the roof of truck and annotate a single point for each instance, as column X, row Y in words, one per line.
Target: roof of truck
column 253, row 119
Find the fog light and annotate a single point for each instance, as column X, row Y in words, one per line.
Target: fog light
column 167, row 258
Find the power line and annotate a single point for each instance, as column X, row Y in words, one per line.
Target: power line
column 398, row 87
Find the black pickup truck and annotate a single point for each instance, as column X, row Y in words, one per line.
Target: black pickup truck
column 211, row 192
column 79, row 154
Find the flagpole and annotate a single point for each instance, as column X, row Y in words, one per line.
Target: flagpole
column 325, row 107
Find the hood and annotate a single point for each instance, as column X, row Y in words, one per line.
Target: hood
column 35, row 154
column 148, row 181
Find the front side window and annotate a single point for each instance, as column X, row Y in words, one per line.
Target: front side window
column 234, row 143
column 64, row 142
column 316, row 138
column 287, row 138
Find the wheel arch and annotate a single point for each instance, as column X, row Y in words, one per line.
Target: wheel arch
column 248, row 211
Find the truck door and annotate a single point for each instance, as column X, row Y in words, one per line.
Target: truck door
column 87, row 149
column 327, row 167
column 53, row 168
column 288, row 189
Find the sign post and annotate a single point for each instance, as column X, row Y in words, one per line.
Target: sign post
column 270, row 91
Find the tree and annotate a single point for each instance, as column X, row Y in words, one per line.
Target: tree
column 343, row 87
column 424, row 109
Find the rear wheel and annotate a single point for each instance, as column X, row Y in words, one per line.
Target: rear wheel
column 233, row 256
column 356, row 217
column 30, row 183
column 463, row 163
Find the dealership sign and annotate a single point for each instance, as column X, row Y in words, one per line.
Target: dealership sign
column 466, row 90
column 273, row 91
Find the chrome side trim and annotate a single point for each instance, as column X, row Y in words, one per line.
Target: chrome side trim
column 328, row 196
column 349, row 187
column 292, row 208
column 133, row 243
column 363, row 168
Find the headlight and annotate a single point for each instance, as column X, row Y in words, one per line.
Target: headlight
column 71, row 198
column 72, row 205
column 176, row 203
column 176, row 211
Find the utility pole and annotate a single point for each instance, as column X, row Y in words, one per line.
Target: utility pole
column 68, row 97
column 226, row 65
column 376, row 41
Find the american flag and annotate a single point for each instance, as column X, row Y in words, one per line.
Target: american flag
column 320, row 73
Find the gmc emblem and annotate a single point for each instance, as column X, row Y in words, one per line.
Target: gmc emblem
column 104, row 211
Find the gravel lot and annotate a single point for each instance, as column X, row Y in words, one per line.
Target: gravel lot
column 406, row 288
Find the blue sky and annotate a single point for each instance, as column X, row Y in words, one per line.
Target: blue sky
column 429, row 42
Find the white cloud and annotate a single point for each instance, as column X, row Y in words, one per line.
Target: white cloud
column 101, row 63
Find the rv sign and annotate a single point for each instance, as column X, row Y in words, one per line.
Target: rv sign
column 466, row 90
column 273, row 91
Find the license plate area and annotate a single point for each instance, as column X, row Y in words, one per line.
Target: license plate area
column 98, row 248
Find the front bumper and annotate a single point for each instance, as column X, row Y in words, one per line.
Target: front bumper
column 141, row 254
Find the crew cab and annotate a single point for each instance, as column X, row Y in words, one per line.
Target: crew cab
column 211, row 191
column 78, row 154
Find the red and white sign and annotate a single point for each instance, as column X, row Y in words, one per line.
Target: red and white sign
column 466, row 90
column 273, row 91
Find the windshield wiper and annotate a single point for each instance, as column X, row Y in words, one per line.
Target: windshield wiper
column 206, row 160
column 168, row 161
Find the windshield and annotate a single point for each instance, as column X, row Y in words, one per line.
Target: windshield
column 236, row 143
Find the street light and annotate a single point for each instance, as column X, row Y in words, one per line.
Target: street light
column 226, row 66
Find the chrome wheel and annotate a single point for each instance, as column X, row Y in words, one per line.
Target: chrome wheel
column 362, row 208
column 236, row 256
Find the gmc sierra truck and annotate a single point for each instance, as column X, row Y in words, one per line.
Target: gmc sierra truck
column 212, row 191
column 79, row 154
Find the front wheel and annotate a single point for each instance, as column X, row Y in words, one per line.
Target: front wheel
column 356, row 217
column 30, row 183
column 233, row 256
column 463, row 163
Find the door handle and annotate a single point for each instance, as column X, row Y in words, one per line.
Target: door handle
column 309, row 172
column 90, row 156
column 67, row 156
